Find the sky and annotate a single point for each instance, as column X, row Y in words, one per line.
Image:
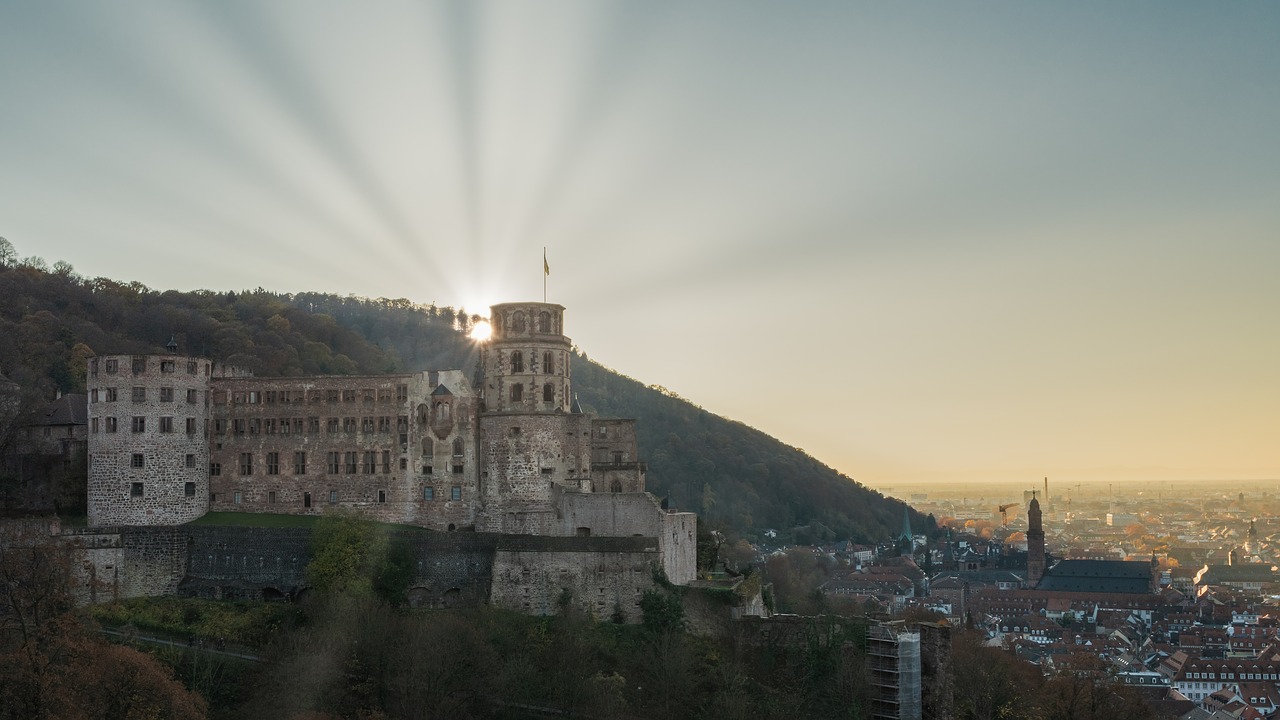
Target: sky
column 926, row 241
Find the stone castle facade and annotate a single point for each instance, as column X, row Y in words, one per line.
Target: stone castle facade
column 507, row 451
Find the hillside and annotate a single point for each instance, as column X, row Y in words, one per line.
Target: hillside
column 736, row 477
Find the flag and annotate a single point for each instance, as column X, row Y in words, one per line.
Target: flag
column 546, row 269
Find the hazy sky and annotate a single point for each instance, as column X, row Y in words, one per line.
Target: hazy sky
column 934, row 241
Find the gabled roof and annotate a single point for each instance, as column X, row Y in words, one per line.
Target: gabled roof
column 71, row 409
column 1108, row 576
column 440, row 390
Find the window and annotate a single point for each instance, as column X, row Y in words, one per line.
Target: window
column 517, row 322
column 382, row 496
column 246, row 463
column 402, row 393
column 112, row 395
column 271, row 497
column 139, row 364
column 384, row 424
column 386, row 462
column 428, row 447
column 238, row 426
column 548, row 364
column 113, row 366
column 191, row 426
column 237, row 498
column 366, row 424
column 442, row 412
column 404, row 463
column 166, row 424
column 139, row 394
column 135, row 490
column 332, row 396
column 348, row 424
column 219, row 427
column 544, row 322
column 189, row 489
column 367, row 394
column 335, row 461
column 93, row 425
column 370, row 462
column 350, row 463
column 215, row 468
column 427, row 469
column 166, row 394
column 428, row 493
column 255, row 426
column 93, row 395
column 139, row 424
column 191, row 460
column 191, row 367
column 332, row 425
column 269, row 397
column 517, row 392
column 136, row 461
column 548, row 393
column 457, row 469
column 517, row 362
column 299, row 463
column 191, row 397
column 166, row 366
column 384, row 394
column 273, row 463
column 455, row 493
column 219, row 397
column 269, row 426
column 458, row 447
column 313, row 424
column 333, row 497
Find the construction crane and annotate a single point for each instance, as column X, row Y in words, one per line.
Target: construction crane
column 1004, row 513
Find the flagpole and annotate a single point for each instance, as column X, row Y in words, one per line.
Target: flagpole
column 545, row 273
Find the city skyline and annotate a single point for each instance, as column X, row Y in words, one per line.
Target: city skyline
column 924, row 243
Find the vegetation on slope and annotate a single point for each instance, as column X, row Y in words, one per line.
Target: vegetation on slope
column 736, row 477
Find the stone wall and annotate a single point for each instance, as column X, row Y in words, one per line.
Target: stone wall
column 603, row 577
column 636, row 515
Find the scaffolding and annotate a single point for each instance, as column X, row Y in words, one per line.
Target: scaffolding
column 893, row 658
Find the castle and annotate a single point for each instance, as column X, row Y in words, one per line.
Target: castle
column 508, row 453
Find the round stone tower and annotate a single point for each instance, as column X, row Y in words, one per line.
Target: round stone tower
column 148, row 447
column 526, row 361
column 1035, row 543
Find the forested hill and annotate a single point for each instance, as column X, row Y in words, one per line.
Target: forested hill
column 734, row 476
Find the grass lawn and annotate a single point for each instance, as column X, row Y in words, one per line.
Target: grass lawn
column 240, row 519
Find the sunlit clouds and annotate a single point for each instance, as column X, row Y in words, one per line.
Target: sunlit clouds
column 922, row 242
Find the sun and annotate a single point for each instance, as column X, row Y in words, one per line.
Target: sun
column 481, row 331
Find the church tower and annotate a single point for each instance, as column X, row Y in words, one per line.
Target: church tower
column 1035, row 543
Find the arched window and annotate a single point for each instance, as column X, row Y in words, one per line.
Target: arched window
column 616, row 487
column 548, row 393
column 548, row 363
column 544, row 322
column 458, row 447
column 443, row 414
column 517, row 322
column 517, row 362
column 517, row 392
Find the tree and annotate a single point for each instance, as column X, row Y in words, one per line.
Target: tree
column 8, row 255
column 50, row 665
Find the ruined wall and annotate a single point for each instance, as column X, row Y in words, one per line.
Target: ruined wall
column 399, row 448
column 636, row 514
column 148, row 457
column 603, row 577
column 154, row 561
column 525, row 458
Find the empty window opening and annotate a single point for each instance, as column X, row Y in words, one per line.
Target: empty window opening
column 135, row 490
column 190, row 489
